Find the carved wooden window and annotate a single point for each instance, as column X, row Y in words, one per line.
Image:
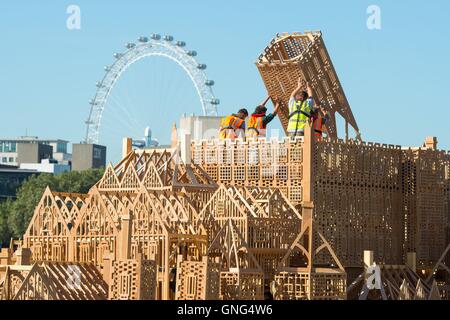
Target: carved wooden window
column 37, row 252
column 125, row 283
column 85, row 252
column 101, row 248
column 57, row 252
column 191, row 285
column 220, row 207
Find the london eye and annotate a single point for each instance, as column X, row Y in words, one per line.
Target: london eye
column 112, row 116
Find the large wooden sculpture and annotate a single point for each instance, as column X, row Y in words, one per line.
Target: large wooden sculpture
column 178, row 240
column 280, row 218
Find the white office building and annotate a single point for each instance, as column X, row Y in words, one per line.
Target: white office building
column 46, row 166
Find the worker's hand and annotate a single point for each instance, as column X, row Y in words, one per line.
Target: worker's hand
column 300, row 81
column 277, row 106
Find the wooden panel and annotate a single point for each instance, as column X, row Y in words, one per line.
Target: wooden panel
column 289, row 57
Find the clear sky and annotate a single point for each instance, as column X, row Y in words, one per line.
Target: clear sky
column 396, row 78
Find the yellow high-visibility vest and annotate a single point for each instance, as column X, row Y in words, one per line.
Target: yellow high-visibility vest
column 229, row 126
column 299, row 115
column 256, row 127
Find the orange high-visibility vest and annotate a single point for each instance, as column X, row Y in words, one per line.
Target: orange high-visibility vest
column 318, row 126
column 229, row 126
column 256, row 127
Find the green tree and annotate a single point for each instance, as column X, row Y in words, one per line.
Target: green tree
column 5, row 231
column 15, row 216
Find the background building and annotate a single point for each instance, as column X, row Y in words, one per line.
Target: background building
column 9, row 150
column 87, row 156
column 200, row 127
column 47, row 166
column 33, row 152
column 11, row 179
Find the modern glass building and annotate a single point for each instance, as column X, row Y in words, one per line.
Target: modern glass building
column 11, row 179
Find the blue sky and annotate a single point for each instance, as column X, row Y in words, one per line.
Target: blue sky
column 395, row 78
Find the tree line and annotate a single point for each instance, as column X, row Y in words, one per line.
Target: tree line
column 15, row 215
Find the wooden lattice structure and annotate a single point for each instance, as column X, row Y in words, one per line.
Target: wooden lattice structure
column 266, row 220
column 398, row 282
column 133, row 279
column 50, row 230
column 194, row 280
column 289, row 57
column 426, row 183
column 240, row 275
column 367, row 196
column 159, row 169
column 258, row 163
column 301, row 275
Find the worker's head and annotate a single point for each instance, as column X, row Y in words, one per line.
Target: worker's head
column 260, row 110
column 242, row 114
column 301, row 96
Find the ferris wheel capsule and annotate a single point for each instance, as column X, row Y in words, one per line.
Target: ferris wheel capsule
column 99, row 84
column 181, row 43
column 168, row 38
column 130, row 45
column 155, row 36
column 143, row 39
column 118, row 55
column 201, row 66
column 107, row 68
column 209, row 83
column 214, row 101
column 192, row 53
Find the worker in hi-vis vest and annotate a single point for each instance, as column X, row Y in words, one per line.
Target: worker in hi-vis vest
column 301, row 105
column 233, row 126
column 258, row 121
column 319, row 120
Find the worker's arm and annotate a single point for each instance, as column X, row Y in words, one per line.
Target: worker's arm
column 277, row 106
column 309, row 90
column 310, row 96
column 268, row 118
column 272, row 115
column 297, row 89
